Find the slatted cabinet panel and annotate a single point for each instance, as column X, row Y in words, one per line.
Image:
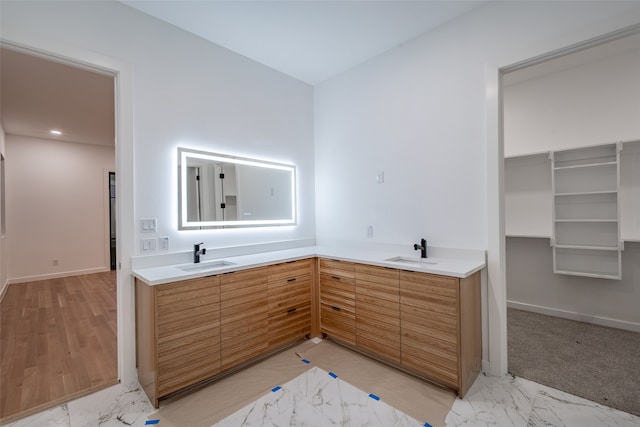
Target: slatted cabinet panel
column 289, row 302
column 378, row 311
column 430, row 325
column 178, row 334
column 244, row 310
column 337, row 300
column 188, row 332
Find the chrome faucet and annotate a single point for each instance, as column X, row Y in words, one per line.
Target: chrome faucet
column 197, row 252
column 422, row 247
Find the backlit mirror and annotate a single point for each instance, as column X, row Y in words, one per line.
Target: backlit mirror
column 217, row 190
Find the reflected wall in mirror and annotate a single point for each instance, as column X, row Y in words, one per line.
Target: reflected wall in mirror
column 217, row 190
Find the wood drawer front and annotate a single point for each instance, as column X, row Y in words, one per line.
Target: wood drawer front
column 206, row 345
column 184, row 376
column 429, row 284
column 183, row 334
column 240, row 283
column 380, row 335
column 282, row 302
column 244, row 294
column 257, row 308
column 243, row 315
column 433, row 365
column 173, row 290
column 378, row 302
column 431, row 294
column 338, row 323
column 205, row 356
column 338, row 292
column 376, row 344
column 289, row 327
column 290, row 270
column 338, row 268
column 191, row 295
column 378, row 275
column 235, row 351
column 418, row 334
column 187, row 360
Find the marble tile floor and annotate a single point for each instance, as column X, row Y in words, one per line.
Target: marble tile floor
column 315, row 398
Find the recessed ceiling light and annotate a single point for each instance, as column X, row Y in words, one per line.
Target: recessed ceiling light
column 55, row 132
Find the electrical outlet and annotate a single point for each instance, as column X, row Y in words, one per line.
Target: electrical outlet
column 380, row 177
column 370, row 232
column 163, row 244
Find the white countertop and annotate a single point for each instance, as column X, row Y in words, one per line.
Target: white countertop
column 459, row 266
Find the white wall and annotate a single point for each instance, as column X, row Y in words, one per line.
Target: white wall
column 592, row 104
column 426, row 113
column 532, row 285
column 418, row 114
column 188, row 92
column 57, row 208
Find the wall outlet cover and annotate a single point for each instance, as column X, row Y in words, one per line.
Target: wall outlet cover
column 163, row 244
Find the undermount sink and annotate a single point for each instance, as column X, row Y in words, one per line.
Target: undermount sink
column 204, row 266
column 417, row 261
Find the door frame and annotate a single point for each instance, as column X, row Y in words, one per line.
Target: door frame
column 37, row 45
column 496, row 299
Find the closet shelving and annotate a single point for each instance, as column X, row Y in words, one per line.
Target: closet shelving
column 586, row 221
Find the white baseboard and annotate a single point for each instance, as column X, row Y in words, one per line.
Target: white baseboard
column 596, row 320
column 56, row 275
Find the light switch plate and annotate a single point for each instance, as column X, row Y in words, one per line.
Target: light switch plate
column 148, row 245
column 148, row 225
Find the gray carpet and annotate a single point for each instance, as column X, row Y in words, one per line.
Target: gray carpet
column 594, row 362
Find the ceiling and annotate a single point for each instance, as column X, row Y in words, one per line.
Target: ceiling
column 305, row 39
column 308, row 40
column 38, row 95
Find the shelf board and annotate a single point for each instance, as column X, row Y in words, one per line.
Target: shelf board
column 583, row 193
column 583, row 274
column 586, row 220
column 588, row 165
column 590, row 248
column 528, row 236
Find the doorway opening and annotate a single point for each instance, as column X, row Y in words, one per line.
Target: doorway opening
column 569, row 123
column 59, row 125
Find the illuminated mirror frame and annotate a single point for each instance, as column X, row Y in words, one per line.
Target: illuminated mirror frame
column 184, row 224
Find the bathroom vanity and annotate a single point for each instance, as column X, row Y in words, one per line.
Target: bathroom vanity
column 198, row 325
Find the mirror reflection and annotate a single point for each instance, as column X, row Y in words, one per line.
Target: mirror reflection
column 217, row 190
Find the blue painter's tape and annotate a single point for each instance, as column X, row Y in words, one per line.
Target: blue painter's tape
column 374, row 397
column 151, row 422
column 333, row 375
column 276, row 388
column 305, row 361
column 427, row 425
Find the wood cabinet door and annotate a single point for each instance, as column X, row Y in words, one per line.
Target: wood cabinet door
column 188, row 333
column 337, row 300
column 378, row 311
column 244, row 308
column 289, row 302
column 429, row 324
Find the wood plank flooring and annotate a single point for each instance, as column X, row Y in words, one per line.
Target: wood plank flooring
column 57, row 342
